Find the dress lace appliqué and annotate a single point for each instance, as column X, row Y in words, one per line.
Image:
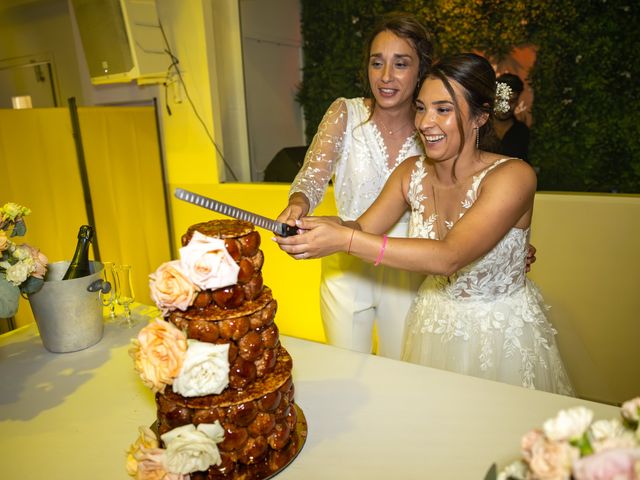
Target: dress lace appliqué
column 488, row 319
column 349, row 147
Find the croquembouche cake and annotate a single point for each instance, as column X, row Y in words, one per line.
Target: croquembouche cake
column 222, row 380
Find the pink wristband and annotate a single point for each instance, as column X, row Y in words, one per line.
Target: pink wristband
column 384, row 245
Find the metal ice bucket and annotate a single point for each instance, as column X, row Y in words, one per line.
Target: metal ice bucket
column 68, row 314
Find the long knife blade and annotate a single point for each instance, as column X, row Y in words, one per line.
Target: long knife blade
column 278, row 228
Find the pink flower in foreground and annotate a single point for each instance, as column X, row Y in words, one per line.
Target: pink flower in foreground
column 158, row 354
column 621, row 464
column 171, row 288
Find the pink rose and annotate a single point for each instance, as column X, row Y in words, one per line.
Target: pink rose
column 552, row 460
column 159, row 353
column 171, row 288
column 40, row 261
column 621, row 464
column 207, row 262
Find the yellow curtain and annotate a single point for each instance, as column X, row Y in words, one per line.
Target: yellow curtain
column 40, row 170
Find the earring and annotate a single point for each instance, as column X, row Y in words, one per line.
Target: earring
column 477, row 138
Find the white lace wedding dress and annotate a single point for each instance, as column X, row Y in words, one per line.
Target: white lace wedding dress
column 488, row 319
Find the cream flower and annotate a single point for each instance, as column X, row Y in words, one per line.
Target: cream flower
column 171, row 288
column 609, row 435
column 192, row 450
column 18, row 272
column 207, row 262
column 11, row 211
column 158, row 354
column 205, row 370
column 631, row 410
column 568, row 424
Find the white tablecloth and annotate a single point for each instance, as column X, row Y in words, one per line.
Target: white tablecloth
column 73, row 415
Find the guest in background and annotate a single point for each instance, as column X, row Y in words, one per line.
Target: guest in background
column 359, row 142
column 512, row 133
column 476, row 313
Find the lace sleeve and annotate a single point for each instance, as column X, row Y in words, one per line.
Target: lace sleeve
column 322, row 155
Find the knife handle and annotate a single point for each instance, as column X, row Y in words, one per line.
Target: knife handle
column 285, row 230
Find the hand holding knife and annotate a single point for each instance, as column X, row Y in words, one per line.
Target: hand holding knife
column 278, row 228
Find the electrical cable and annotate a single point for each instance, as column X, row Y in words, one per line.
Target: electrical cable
column 174, row 65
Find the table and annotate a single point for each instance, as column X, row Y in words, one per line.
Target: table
column 73, row 415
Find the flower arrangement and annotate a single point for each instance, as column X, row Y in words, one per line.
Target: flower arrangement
column 22, row 267
column 163, row 356
column 573, row 446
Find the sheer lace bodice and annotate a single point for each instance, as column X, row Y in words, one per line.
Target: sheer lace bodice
column 500, row 272
column 350, row 148
column 488, row 319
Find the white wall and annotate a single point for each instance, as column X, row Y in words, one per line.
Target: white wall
column 271, row 48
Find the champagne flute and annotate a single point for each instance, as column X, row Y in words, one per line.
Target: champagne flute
column 125, row 296
column 109, row 299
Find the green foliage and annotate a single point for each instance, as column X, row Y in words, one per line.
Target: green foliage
column 587, row 97
column 586, row 111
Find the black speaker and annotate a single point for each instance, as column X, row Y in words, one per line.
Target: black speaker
column 122, row 40
column 285, row 165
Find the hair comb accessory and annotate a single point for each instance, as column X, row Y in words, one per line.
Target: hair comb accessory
column 503, row 94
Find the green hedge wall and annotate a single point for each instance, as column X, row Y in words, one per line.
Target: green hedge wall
column 586, row 111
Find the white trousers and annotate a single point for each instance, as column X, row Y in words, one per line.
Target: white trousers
column 355, row 295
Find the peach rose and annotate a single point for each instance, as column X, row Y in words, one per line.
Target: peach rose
column 551, row 460
column 146, row 439
column 40, row 261
column 171, row 288
column 207, row 262
column 4, row 241
column 158, row 354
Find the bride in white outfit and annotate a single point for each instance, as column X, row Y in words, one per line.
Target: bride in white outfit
column 476, row 313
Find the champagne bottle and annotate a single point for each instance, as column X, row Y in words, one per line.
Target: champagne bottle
column 79, row 266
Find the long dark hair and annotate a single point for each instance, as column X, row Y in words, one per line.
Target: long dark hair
column 404, row 26
column 477, row 78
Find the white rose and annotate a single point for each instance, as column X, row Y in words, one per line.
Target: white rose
column 568, row 424
column 609, row 435
column 207, row 262
column 193, row 450
column 631, row 410
column 205, row 370
column 19, row 272
column 21, row 252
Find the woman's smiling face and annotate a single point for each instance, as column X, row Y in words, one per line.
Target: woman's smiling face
column 393, row 69
column 437, row 122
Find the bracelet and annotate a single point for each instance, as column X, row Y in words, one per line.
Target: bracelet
column 384, row 245
column 351, row 240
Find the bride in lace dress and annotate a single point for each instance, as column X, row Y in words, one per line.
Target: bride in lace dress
column 476, row 313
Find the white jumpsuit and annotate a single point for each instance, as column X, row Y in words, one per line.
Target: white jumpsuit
column 354, row 295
